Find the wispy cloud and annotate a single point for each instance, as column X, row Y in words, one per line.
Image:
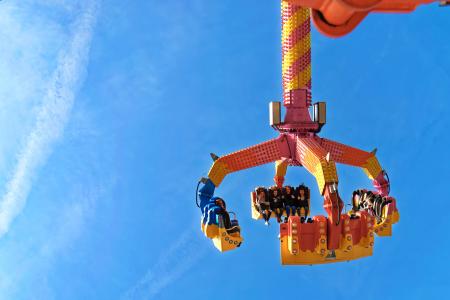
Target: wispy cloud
column 172, row 264
column 52, row 117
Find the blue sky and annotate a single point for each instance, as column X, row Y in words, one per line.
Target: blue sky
column 109, row 111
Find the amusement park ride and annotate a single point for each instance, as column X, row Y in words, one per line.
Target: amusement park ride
column 321, row 239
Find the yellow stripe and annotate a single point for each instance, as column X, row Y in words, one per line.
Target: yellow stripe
column 299, row 49
column 291, row 24
column 294, row 21
column 300, row 80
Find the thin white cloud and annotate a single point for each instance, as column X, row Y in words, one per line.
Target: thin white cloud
column 52, row 116
column 171, row 265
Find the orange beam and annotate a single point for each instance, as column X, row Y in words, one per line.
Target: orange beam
column 336, row 18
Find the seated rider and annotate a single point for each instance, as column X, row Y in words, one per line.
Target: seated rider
column 303, row 193
column 276, row 202
column 263, row 204
column 288, row 197
column 222, row 211
column 370, row 202
column 363, row 200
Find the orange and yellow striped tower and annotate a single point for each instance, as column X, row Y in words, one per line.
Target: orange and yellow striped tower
column 296, row 52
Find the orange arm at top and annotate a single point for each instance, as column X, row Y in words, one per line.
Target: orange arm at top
column 336, row 18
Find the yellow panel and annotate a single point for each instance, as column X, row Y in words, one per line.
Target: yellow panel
column 211, row 230
column 218, row 172
column 281, row 168
column 313, row 158
column 226, row 242
column 329, row 170
column 313, row 258
column 384, row 228
column 325, row 172
column 372, row 167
